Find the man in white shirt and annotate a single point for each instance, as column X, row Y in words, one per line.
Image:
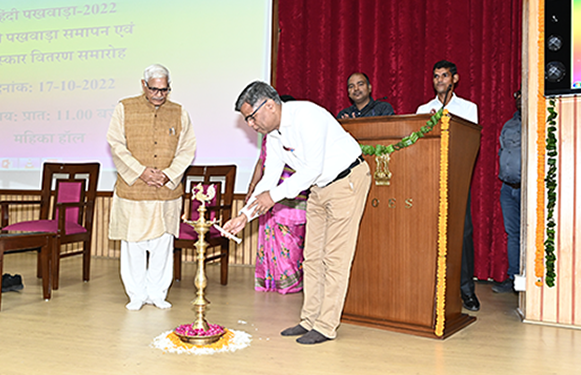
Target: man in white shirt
column 445, row 77
column 328, row 161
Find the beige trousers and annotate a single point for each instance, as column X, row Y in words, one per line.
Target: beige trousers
column 333, row 217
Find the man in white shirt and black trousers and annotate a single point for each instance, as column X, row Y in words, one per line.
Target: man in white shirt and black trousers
column 445, row 77
column 327, row 160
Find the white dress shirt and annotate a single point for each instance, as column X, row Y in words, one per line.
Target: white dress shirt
column 313, row 143
column 456, row 106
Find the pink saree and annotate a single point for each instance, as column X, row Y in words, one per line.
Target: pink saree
column 281, row 238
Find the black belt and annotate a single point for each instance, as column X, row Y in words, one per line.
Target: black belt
column 514, row 186
column 346, row 172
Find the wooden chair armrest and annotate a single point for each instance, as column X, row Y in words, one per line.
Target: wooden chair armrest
column 220, row 212
column 62, row 213
column 226, row 208
column 219, row 208
column 4, row 209
column 8, row 203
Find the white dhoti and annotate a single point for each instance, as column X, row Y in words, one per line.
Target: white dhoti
column 147, row 280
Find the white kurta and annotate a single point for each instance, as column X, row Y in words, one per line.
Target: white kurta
column 147, row 226
column 135, row 221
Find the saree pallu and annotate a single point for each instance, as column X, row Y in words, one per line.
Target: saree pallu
column 281, row 238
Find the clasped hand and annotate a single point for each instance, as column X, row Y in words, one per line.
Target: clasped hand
column 346, row 115
column 154, row 177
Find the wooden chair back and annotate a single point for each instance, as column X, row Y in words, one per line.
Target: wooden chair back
column 67, row 203
column 223, row 177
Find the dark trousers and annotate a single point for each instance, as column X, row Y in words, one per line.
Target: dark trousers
column 467, row 274
column 510, row 204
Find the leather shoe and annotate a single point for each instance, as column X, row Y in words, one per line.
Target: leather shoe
column 470, row 302
column 294, row 331
column 504, row 287
column 11, row 283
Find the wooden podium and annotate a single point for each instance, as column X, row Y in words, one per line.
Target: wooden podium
column 394, row 274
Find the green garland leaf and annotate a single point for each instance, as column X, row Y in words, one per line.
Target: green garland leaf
column 551, row 190
column 406, row 141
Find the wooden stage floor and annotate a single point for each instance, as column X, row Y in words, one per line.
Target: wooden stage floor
column 85, row 329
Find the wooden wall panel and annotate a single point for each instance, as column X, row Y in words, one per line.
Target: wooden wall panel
column 531, row 90
column 245, row 253
column 576, row 236
column 566, row 212
column 22, row 213
column 102, row 246
column 558, row 305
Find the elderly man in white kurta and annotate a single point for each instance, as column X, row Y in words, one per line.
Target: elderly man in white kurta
column 152, row 143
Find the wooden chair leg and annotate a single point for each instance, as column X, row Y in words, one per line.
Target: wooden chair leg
column 177, row 264
column 56, row 262
column 224, row 256
column 86, row 260
column 39, row 264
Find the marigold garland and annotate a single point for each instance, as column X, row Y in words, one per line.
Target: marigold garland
column 442, row 226
column 541, row 113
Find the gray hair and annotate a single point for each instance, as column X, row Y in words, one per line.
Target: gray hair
column 254, row 92
column 156, row 71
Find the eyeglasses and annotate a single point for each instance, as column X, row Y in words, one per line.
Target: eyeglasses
column 251, row 116
column 157, row 90
column 516, row 94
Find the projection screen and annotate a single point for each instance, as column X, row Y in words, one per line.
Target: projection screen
column 64, row 64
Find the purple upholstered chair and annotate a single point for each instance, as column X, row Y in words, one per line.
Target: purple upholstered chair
column 66, row 209
column 222, row 177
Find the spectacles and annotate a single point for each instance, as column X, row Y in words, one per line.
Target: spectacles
column 251, row 116
column 516, row 94
column 157, row 90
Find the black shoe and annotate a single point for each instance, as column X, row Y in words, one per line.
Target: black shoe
column 11, row 283
column 470, row 302
column 504, row 287
column 312, row 337
column 294, row 331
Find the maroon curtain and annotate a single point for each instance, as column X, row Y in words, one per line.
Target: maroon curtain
column 396, row 44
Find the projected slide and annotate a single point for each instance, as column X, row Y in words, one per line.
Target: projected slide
column 64, row 64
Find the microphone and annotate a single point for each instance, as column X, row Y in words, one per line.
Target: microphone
column 384, row 98
column 446, row 97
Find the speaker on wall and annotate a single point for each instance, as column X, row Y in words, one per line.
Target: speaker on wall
column 562, row 47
